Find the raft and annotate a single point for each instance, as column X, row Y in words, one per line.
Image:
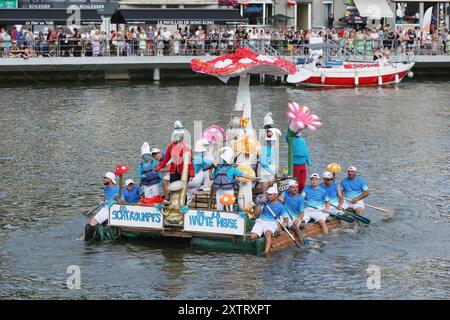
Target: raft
column 236, row 244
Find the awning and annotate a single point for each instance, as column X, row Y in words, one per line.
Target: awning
column 178, row 16
column 59, row 17
column 374, row 9
column 354, row 19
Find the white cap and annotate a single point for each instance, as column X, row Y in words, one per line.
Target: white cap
column 352, row 168
column 145, row 149
column 129, row 181
column 110, row 176
column 177, row 125
column 200, row 145
column 327, row 175
column 227, row 154
column 155, row 150
column 315, row 175
column 292, row 183
column 268, row 120
column 272, row 190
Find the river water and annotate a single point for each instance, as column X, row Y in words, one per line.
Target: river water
column 57, row 141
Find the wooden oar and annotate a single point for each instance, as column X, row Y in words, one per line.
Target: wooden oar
column 284, row 228
column 377, row 208
column 337, row 216
column 356, row 216
column 296, row 227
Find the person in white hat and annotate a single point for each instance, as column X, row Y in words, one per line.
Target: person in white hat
column 111, row 190
column 294, row 204
column 268, row 161
column 316, row 202
column 201, row 165
column 355, row 189
column 333, row 190
column 150, row 180
column 164, row 174
column 269, row 209
column 131, row 194
column 224, row 176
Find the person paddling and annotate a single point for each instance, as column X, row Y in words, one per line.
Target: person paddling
column 267, row 224
column 111, row 190
column 294, row 204
column 333, row 190
column 355, row 190
column 131, row 194
column 317, row 203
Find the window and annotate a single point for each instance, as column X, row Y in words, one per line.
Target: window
column 254, row 13
column 407, row 13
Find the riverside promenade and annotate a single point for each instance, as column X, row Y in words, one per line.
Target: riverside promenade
column 147, row 67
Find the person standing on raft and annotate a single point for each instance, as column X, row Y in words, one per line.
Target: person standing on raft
column 175, row 152
column 150, row 179
column 301, row 158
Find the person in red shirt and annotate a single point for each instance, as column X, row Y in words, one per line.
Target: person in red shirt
column 174, row 152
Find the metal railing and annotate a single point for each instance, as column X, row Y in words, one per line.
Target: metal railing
column 75, row 47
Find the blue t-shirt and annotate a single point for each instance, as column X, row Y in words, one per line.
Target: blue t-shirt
column 332, row 192
column 277, row 208
column 315, row 197
column 293, row 204
column 132, row 196
column 354, row 187
column 111, row 193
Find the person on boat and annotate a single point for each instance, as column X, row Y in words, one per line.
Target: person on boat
column 267, row 162
column 164, row 173
column 269, row 209
column 333, row 190
column 317, row 203
column 110, row 190
column 149, row 178
column 224, row 176
column 174, row 152
column 201, row 165
column 131, row 194
column 294, row 205
column 301, row 159
column 355, row 190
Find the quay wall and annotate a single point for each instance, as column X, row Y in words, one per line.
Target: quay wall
column 152, row 68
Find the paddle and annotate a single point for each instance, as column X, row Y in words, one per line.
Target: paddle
column 296, row 226
column 284, row 228
column 356, row 216
column 93, row 210
column 337, row 216
column 377, row 208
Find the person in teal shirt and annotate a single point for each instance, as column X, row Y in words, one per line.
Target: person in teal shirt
column 333, row 190
column 355, row 190
column 317, row 203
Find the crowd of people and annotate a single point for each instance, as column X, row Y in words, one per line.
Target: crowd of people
column 295, row 207
column 216, row 40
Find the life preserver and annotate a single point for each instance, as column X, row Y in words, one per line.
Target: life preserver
column 151, row 177
column 221, row 180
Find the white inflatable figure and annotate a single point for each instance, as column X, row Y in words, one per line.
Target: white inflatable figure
column 201, row 179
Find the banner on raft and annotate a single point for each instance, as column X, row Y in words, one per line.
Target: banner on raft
column 135, row 216
column 219, row 222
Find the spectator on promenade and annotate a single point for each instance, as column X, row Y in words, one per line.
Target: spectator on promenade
column 166, row 37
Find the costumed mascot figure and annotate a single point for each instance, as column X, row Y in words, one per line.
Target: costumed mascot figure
column 201, row 167
column 298, row 156
column 181, row 169
column 150, row 179
column 268, row 162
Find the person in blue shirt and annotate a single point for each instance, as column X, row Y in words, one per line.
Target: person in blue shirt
column 224, row 176
column 355, row 190
column 301, row 159
column 270, row 210
column 294, row 204
column 164, row 173
column 111, row 190
column 317, row 203
column 333, row 190
column 201, row 179
column 131, row 194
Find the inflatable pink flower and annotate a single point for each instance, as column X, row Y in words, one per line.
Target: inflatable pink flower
column 301, row 118
column 214, row 133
